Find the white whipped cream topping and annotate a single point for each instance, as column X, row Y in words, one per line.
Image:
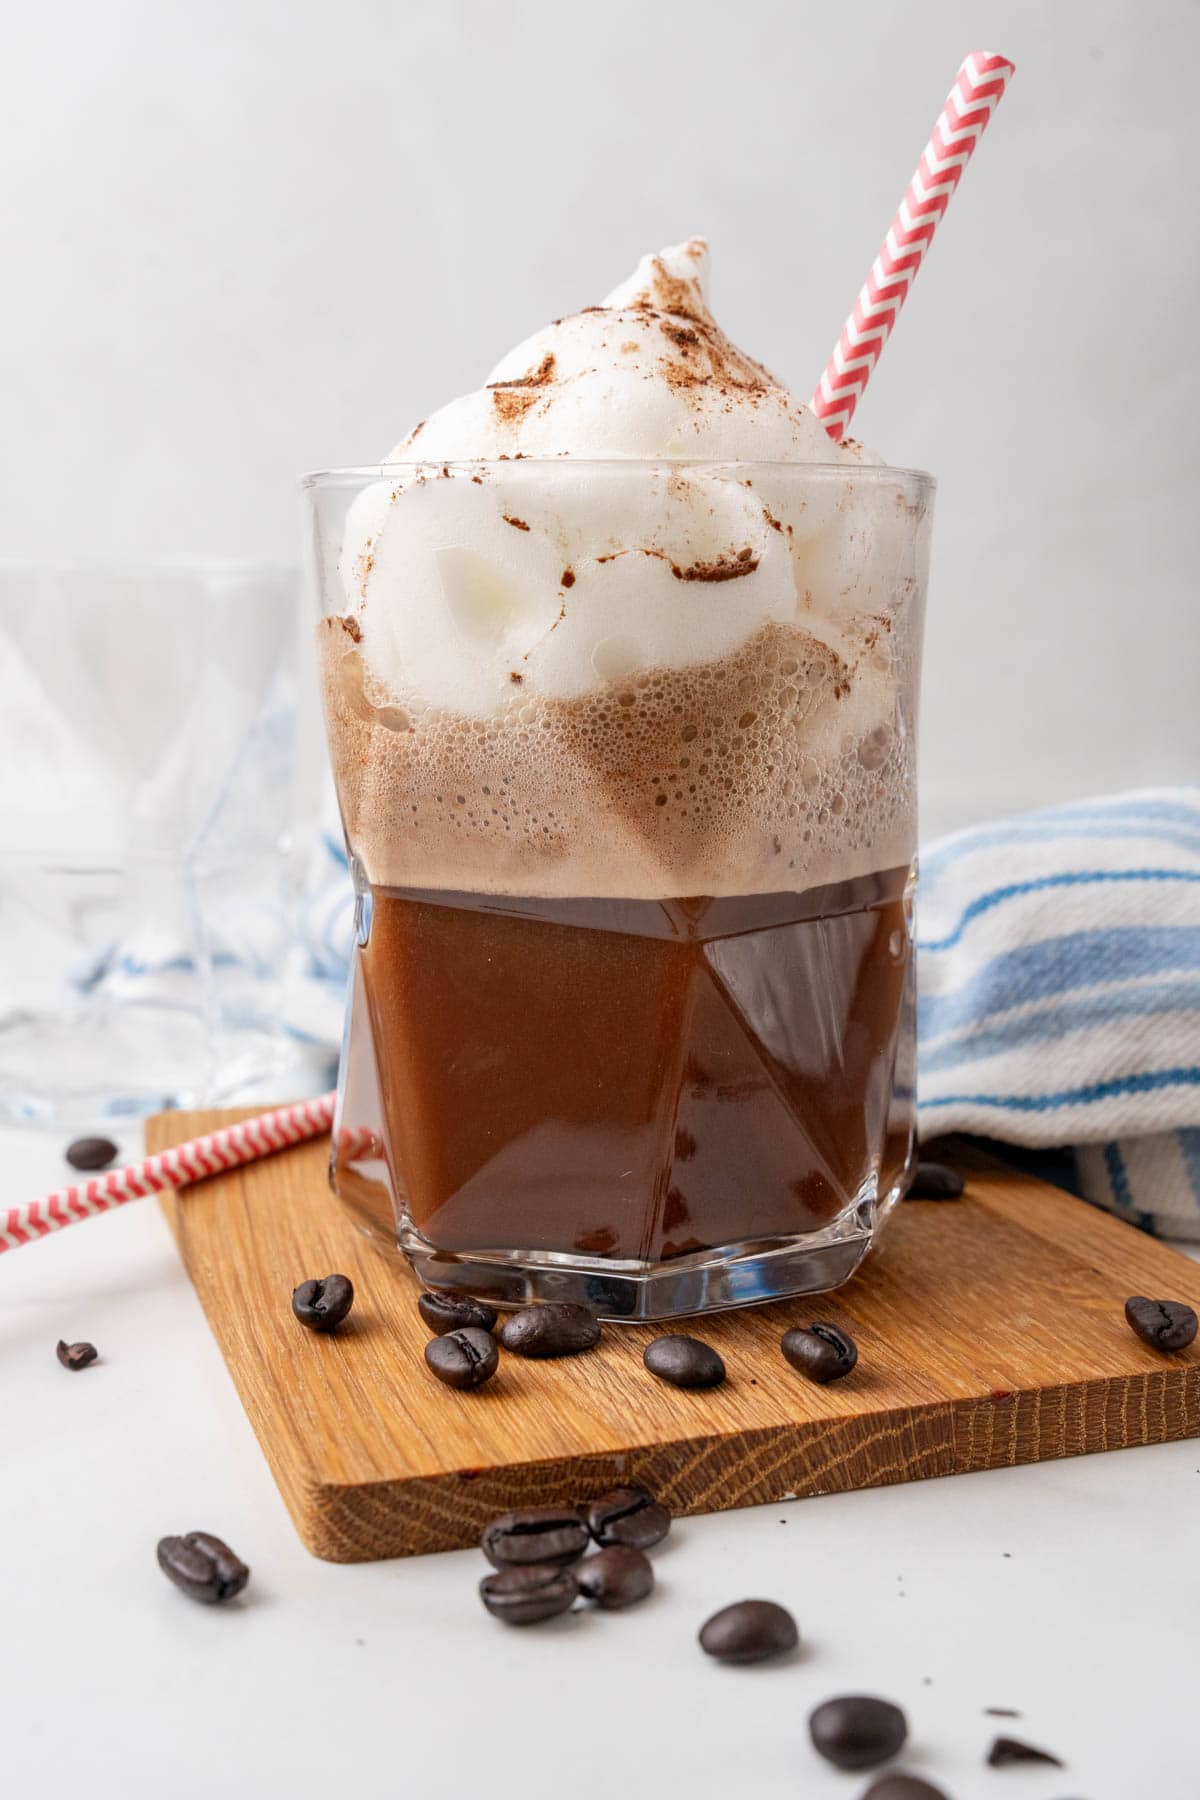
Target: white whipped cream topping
column 468, row 574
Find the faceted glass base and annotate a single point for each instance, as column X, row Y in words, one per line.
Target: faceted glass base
column 711, row 1281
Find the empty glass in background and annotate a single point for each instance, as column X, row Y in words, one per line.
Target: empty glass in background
column 159, row 785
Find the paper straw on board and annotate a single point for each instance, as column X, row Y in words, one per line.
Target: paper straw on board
column 212, row 1154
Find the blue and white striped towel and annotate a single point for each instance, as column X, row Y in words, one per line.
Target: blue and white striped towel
column 1059, row 981
column 1059, row 994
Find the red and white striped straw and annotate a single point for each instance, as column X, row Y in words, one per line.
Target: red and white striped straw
column 977, row 91
column 210, row 1155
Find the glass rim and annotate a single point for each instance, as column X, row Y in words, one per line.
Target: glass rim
column 872, row 473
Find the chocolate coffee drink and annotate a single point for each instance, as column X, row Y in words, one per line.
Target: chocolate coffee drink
column 620, row 701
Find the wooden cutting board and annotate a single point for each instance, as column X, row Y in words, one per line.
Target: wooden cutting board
column 990, row 1331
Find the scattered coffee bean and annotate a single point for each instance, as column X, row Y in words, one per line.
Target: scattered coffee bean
column 615, row 1577
column 91, row 1153
column 629, row 1516
column 523, row 1596
column 463, row 1359
column 554, row 1329
column 1163, row 1324
column 444, row 1312
column 323, row 1304
column 903, row 1787
column 857, row 1731
column 821, row 1352
column 540, row 1534
column 684, row 1361
column 1006, row 1750
column 749, row 1632
column 935, row 1181
column 202, row 1566
column 76, row 1356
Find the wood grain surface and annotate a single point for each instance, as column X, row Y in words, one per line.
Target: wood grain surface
column 990, row 1331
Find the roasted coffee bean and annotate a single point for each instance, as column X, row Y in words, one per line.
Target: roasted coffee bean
column 821, row 1352
column 523, row 1596
column 615, row 1577
column 629, row 1516
column 91, row 1153
column 684, row 1361
column 1006, row 1750
column 1163, row 1324
column 935, row 1181
column 554, row 1329
column 444, row 1312
column 75, row 1356
column 903, row 1787
column 749, row 1632
column 463, row 1359
column 540, row 1534
column 202, row 1566
column 323, row 1304
column 856, row 1731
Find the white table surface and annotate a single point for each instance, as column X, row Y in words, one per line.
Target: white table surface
column 1069, row 1591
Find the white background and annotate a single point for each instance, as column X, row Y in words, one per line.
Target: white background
column 242, row 240
column 251, row 237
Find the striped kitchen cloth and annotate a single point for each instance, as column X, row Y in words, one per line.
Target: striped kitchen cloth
column 1058, row 959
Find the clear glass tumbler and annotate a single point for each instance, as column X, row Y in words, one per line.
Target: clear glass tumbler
column 156, row 801
column 631, row 1009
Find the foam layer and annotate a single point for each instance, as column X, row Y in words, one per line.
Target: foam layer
column 459, row 571
column 649, row 373
column 583, row 675
column 779, row 767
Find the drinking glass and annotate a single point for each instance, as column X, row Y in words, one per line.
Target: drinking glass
column 156, row 804
column 631, row 1005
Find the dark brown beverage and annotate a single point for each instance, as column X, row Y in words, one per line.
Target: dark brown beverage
column 639, row 1080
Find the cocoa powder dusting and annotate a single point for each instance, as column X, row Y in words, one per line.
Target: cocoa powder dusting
column 672, row 293
column 352, row 629
column 722, row 568
column 679, row 375
column 513, row 399
column 511, row 406
column 519, row 523
column 702, row 354
column 568, row 578
column 539, row 377
column 725, row 568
